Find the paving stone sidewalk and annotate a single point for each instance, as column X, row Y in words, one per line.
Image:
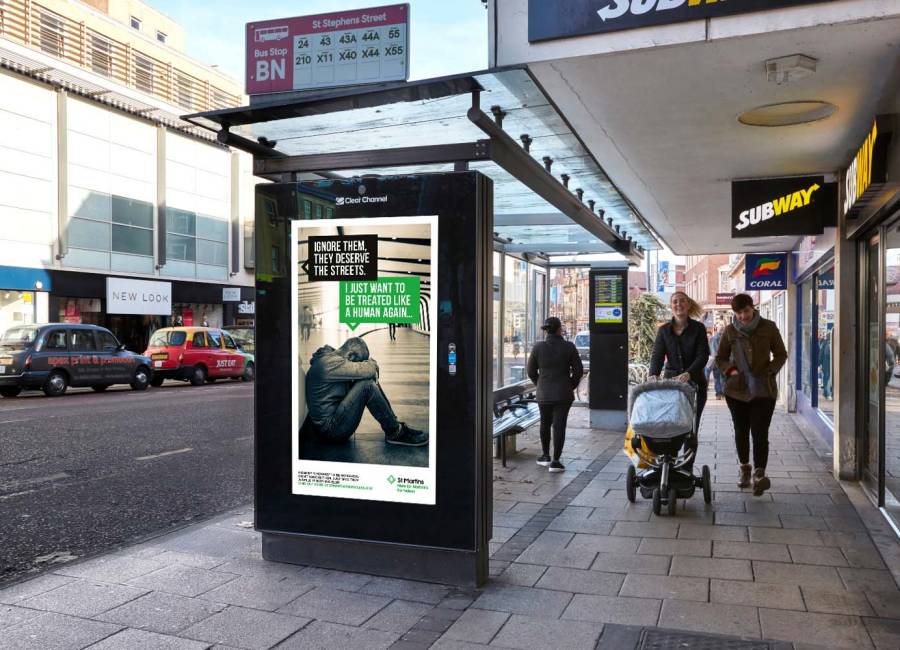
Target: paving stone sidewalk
column 574, row 565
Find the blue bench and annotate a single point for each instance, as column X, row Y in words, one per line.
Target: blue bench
column 515, row 409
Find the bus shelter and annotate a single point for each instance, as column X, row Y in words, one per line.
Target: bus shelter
column 401, row 223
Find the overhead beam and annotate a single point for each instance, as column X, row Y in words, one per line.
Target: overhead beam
column 574, row 248
column 525, row 219
column 510, row 155
column 398, row 157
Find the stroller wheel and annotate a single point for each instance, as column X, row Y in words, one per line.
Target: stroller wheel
column 672, row 500
column 707, row 485
column 630, row 483
column 657, row 501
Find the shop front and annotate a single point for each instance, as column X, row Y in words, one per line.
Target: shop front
column 23, row 296
column 134, row 308
column 872, row 207
column 813, row 264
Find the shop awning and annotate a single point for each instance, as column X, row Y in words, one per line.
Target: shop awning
column 550, row 195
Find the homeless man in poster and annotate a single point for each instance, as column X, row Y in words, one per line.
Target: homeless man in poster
column 365, row 358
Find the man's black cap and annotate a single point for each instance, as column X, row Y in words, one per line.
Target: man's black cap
column 552, row 324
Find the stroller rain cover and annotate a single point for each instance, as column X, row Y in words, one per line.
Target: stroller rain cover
column 661, row 409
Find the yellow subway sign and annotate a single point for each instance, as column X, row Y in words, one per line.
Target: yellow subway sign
column 858, row 177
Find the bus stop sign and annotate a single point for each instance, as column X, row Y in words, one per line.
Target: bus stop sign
column 343, row 48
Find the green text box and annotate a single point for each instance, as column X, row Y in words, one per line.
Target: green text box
column 385, row 300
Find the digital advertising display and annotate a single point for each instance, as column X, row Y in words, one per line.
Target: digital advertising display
column 365, row 360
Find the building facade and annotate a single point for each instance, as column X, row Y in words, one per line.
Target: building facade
column 105, row 191
column 676, row 143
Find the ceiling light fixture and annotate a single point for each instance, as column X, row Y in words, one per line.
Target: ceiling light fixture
column 788, row 113
column 789, row 69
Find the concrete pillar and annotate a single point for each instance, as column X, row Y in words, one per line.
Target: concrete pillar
column 791, row 336
column 846, row 365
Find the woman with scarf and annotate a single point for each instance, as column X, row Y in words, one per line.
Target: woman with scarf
column 750, row 355
column 683, row 345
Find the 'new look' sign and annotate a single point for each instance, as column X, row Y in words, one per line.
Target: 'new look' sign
column 765, row 271
column 141, row 297
column 550, row 19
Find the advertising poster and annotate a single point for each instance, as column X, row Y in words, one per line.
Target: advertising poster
column 365, row 358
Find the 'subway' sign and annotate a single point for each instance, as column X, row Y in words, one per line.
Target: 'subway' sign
column 771, row 207
column 549, row 19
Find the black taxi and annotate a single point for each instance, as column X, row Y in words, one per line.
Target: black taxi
column 58, row 355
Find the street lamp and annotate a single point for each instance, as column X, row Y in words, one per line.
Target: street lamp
column 38, row 285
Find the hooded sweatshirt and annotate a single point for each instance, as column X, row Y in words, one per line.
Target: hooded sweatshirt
column 328, row 381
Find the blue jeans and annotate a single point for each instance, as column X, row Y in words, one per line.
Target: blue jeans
column 364, row 394
column 717, row 377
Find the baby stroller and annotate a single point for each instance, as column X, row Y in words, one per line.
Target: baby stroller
column 660, row 423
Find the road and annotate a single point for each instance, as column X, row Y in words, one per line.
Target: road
column 88, row 471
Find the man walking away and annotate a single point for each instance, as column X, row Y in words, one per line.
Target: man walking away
column 306, row 322
column 555, row 368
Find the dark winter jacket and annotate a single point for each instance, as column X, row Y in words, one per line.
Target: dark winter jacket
column 328, row 381
column 687, row 352
column 765, row 352
column 555, row 368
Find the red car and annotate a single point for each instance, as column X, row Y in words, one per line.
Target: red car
column 195, row 354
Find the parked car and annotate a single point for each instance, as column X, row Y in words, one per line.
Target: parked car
column 55, row 356
column 196, row 354
column 245, row 337
column 583, row 345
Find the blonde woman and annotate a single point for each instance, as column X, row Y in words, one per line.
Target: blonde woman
column 683, row 345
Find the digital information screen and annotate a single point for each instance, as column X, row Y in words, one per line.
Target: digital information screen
column 365, row 360
column 609, row 298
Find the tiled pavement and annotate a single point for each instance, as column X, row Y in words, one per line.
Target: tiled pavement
column 574, row 566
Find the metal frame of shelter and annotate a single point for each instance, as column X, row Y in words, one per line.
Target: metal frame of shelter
column 514, row 157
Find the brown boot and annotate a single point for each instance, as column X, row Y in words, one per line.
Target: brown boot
column 761, row 482
column 744, row 476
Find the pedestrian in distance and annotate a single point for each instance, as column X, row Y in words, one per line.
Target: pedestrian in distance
column 683, row 345
column 554, row 366
column 718, row 382
column 392, row 331
column 306, row 322
column 750, row 355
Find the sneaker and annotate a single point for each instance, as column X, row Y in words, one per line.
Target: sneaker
column 408, row 437
column 556, row 467
column 761, row 482
column 544, row 460
column 744, row 476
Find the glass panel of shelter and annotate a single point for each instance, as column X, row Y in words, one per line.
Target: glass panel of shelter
column 891, row 447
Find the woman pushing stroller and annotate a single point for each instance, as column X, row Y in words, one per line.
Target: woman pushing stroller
column 683, row 345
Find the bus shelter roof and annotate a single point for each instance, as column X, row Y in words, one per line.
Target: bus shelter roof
column 551, row 196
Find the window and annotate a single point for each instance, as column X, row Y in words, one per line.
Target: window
column 55, row 340
column 165, row 339
column 106, row 341
column 329, row 213
column 101, row 56
column 514, row 320
column 318, row 211
column 51, row 34
column 229, row 342
column 196, row 238
column 199, row 340
column 136, row 23
column 215, row 338
column 307, row 209
column 113, row 223
column 161, row 37
column 824, row 331
column 184, row 91
column 143, row 73
column 806, row 314
column 276, row 260
column 81, row 341
column 221, row 99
